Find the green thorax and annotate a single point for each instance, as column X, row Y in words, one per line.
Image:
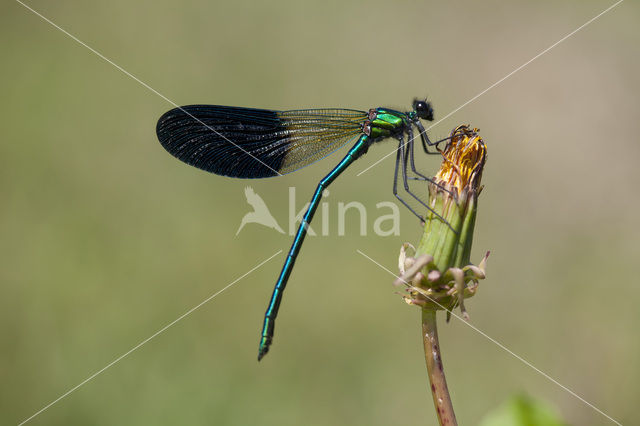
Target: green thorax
column 387, row 122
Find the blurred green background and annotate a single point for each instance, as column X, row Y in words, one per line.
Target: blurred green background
column 106, row 238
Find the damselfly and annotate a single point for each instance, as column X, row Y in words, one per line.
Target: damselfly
column 259, row 143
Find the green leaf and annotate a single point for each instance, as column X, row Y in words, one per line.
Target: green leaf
column 522, row 410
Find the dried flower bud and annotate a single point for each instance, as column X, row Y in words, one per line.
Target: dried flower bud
column 440, row 275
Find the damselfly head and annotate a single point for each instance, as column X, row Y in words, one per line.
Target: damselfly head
column 423, row 109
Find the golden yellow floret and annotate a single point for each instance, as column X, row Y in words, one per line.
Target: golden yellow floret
column 464, row 158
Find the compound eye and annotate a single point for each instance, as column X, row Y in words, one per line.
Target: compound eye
column 424, row 110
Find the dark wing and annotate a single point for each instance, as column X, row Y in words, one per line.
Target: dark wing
column 255, row 143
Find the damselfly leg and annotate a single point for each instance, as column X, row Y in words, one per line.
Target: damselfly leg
column 401, row 167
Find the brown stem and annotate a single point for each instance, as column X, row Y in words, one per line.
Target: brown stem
column 439, row 390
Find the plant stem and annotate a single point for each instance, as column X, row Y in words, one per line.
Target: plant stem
column 439, row 390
